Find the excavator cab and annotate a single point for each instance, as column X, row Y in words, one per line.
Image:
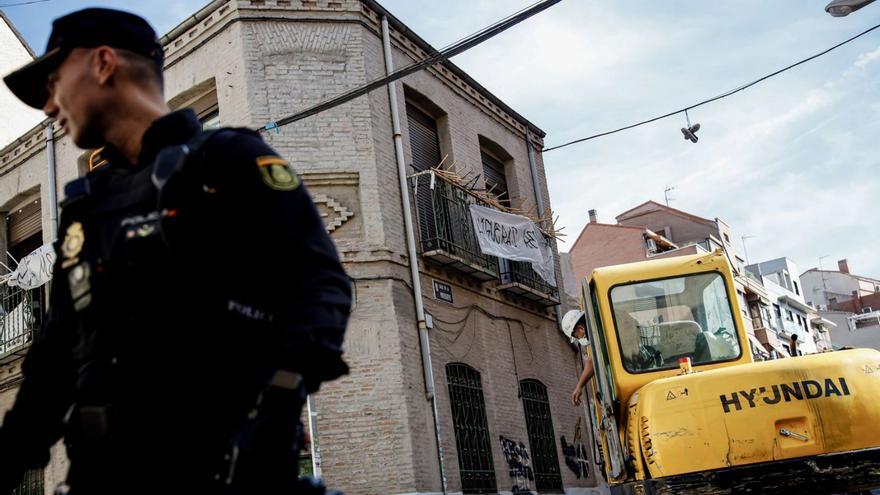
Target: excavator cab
column 682, row 408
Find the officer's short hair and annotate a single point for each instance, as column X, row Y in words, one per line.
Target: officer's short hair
column 141, row 69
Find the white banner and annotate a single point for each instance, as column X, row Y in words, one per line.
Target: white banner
column 515, row 238
column 34, row 269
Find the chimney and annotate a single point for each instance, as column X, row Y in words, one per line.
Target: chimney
column 594, row 217
column 843, row 266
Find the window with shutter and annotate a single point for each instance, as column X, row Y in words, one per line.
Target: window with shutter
column 24, row 222
column 496, row 180
column 425, row 146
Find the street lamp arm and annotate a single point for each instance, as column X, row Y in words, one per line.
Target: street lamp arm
column 842, row 8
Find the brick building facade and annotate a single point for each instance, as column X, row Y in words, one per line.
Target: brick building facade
column 502, row 370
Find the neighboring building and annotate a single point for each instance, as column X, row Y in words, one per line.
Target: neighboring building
column 854, row 329
column 824, row 288
column 680, row 227
column 14, row 52
column 652, row 230
column 502, row 370
column 603, row 244
column 851, row 301
column 790, row 315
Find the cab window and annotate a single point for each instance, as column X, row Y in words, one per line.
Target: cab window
column 660, row 321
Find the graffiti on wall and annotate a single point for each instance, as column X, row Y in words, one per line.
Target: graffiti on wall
column 519, row 464
column 576, row 454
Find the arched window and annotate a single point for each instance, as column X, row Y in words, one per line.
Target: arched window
column 471, row 429
column 542, row 440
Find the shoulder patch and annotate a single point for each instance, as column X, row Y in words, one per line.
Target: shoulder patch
column 277, row 173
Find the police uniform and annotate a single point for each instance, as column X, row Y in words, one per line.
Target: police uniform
column 196, row 299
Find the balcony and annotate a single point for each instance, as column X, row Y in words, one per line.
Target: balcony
column 445, row 227
column 447, row 238
column 20, row 317
column 520, row 279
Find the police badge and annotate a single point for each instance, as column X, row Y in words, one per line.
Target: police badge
column 73, row 241
column 277, row 173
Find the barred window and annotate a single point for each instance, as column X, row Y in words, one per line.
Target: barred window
column 542, row 440
column 31, row 484
column 471, row 429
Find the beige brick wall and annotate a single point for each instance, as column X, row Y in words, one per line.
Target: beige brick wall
column 375, row 430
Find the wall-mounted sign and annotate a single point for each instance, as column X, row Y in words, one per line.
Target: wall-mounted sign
column 443, row 291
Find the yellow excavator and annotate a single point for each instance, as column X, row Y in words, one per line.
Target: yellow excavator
column 681, row 407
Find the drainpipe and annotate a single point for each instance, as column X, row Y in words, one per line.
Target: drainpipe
column 53, row 184
column 313, row 434
column 539, row 200
column 411, row 250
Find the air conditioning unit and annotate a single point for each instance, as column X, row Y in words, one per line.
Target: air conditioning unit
column 866, row 310
column 652, row 245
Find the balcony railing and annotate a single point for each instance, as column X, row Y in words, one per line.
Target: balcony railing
column 519, row 278
column 21, row 313
column 446, row 231
column 447, row 237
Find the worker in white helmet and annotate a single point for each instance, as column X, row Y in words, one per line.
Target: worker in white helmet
column 574, row 325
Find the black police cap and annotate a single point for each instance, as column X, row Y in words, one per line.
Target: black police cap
column 87, row 28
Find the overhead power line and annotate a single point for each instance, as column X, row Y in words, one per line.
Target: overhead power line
column 710, row 100
column 18, row 4
column 438, row 56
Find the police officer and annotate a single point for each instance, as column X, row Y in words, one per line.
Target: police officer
column 197, row 297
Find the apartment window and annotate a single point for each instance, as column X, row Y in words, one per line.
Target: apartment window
column 471, row 429
column 202, row 99
column 796, row 289
column 495, row 178
column 789, row 315
column 211, row 120
column 726, row 238
column 25, row 307
column 24, row 226
column 542, row 439
column 425, row 146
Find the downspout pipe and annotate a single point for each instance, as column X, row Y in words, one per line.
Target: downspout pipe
column 539, row 201
column 52, row 185
column 424, row 341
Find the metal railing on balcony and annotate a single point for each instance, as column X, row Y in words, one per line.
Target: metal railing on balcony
column 447, row 237
column 522, row 273
column 21, row 313
column 446, row 232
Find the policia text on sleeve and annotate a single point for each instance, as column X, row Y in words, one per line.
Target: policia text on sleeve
column 196, row 299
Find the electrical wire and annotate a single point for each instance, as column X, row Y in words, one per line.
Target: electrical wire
column 438, row 56
column 715, row 98
column 18, row 4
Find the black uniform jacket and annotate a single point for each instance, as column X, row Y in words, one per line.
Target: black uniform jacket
column 169, row 311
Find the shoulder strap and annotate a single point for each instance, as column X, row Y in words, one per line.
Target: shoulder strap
column 172, row 159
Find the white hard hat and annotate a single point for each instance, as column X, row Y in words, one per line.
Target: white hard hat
column 569, row 321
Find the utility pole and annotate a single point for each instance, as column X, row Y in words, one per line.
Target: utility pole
column 824, row 287
column 666, row 194
column 746, row 251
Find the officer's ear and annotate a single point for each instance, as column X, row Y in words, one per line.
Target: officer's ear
column 105, row 64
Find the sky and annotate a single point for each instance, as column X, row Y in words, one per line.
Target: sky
column 791, row 162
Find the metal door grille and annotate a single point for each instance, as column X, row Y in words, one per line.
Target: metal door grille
column 31, row 484
column 471, row 429
column 541, row 437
